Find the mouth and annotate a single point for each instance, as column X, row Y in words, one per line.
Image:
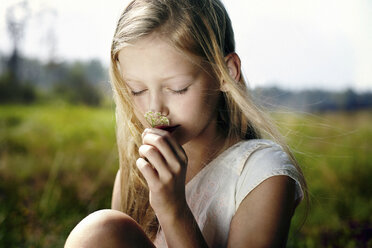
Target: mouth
column 170, row 129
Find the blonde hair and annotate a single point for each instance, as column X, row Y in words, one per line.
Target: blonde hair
column 198, row 28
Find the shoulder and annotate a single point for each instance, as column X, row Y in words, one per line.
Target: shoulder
column 267, row 191
column 264, row 159
column 246, row 148
column 248, row 154
column 263, row 218
column 267, row 156
column 236, row 155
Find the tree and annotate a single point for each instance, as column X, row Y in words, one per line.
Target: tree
column 16, row 18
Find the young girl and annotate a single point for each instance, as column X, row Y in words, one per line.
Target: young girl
column 207, row 178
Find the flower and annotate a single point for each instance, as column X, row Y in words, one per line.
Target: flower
column 156, row 119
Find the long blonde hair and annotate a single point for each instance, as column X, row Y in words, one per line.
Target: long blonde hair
column 198, row 28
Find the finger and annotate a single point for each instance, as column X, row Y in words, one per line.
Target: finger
column 148, row 172
column 174, row 146
column 163, row 145
column 156, row 159
column 173, row 159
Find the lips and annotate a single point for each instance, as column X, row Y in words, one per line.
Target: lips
column 170, row 129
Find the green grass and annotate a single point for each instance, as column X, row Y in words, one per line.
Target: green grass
column 57, row 164
column 335, row 152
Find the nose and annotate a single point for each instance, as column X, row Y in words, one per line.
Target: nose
column 157, row 104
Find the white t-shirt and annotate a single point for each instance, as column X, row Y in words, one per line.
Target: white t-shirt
column 216, row 192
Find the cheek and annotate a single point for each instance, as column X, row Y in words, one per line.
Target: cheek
column 139, row 111
column 190, row 105
column 195, row 108
column 140, row 103
column 140, row 117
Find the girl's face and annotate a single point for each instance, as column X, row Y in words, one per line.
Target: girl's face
column 163, row 80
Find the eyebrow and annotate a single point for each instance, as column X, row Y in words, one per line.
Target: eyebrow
column 163, row 79
column 126, row 79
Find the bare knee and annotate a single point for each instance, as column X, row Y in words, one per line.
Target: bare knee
column 106, row 228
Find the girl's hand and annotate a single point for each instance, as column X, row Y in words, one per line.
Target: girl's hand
column 163, row 163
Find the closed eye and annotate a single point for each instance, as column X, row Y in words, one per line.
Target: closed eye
column 183, row 91
column 137, row 93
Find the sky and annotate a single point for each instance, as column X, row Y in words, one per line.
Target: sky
column 293, row 44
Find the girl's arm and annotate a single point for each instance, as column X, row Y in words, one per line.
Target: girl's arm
column 116, row 195
column 181, row 225
column 182, row 230
column 263, row 217
column 163, row 163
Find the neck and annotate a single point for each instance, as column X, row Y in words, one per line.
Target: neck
column 203, row 150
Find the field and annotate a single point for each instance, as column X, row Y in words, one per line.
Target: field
column 58, row 162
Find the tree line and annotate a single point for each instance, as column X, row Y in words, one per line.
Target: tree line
column 86, row 82
column 312, row 100
column 31, row 80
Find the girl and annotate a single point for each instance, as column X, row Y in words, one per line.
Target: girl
column 208, row 179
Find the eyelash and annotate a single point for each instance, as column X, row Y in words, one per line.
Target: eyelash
column 137, row 93
column 179, row 92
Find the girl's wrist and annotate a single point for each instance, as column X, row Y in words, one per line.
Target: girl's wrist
column 181, row 229
column 173, row 215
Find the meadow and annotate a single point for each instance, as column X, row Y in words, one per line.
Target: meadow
column 58, row 163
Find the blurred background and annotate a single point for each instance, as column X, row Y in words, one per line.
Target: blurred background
column 308, row 63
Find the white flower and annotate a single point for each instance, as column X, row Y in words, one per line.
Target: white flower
column 156, row 119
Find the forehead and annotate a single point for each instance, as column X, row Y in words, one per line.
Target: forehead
column 153, row 55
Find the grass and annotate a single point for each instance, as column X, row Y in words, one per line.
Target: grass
column 335, row 152
column 58, row 162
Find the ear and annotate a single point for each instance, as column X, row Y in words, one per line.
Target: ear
column 232, row 61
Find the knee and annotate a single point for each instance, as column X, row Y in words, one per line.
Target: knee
column 103, row 228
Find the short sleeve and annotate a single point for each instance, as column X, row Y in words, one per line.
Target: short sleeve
column 260, row 165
